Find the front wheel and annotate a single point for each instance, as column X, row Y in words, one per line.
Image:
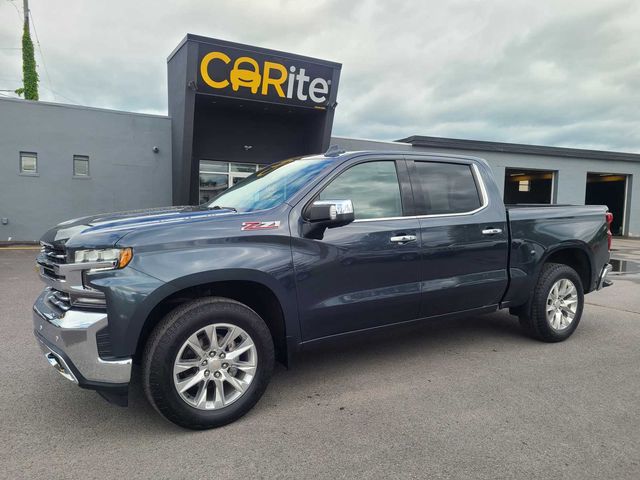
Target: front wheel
column 556, row 305
column 207, row 363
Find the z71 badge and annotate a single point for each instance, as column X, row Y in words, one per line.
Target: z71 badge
column 260, row 225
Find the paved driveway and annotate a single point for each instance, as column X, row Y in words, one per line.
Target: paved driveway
column 471, row 398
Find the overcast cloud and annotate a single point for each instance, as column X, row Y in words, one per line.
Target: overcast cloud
column 563, row 73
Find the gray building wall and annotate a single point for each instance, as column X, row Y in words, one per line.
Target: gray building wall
column 571, row 177
column 125, row 173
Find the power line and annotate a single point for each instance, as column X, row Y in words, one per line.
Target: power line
column 17, row 10
column 44, row 64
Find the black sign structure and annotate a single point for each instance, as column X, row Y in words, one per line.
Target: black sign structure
column 230, row 102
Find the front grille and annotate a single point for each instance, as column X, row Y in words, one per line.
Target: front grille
column 60, row 300
column 49, row 259
column 53, row 254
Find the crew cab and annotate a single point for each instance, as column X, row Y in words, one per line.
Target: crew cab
column 306, row 250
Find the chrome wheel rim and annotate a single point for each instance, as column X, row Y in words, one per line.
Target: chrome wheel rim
column 562, row 304
column 215, row 366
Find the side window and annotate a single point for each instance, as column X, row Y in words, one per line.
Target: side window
column 447, row 187
column 372, row 187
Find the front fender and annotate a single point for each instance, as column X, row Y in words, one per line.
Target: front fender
column 132, row 295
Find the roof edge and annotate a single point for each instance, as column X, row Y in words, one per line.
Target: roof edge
column 482, row 145
column 81, row 107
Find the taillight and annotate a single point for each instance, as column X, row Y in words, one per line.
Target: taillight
column 609, row 219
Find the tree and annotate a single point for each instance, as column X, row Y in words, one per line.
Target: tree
column 29, row 74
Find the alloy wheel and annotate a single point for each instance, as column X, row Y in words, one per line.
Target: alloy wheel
column 215, row 366
column 562, row 304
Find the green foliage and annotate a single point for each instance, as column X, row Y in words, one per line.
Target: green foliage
column 29, row 73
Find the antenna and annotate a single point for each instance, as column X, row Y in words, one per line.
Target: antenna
column 334, row 151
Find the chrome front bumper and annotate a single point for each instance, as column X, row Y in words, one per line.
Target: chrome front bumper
column 68, row 341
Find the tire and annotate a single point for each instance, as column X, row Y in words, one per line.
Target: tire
column 168, row 348
column 535, row 320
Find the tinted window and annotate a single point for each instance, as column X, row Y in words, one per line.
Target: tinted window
column 447, row 187
column 372, row 187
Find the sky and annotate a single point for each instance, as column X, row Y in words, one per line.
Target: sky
column 549, row 72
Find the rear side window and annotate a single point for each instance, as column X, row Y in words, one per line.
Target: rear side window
column 447, row 188
column 372, row 187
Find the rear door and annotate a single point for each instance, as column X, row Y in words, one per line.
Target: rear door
column 364, row 274
column 464, row 238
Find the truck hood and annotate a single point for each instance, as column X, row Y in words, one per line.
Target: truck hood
column 106, row 229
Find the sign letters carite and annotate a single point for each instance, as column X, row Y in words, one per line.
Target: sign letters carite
column 232, row 72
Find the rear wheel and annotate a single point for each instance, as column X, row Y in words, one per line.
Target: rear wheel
column 556, row 306
column 207, row 363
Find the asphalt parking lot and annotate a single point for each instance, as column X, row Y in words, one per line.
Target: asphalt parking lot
column 471, row 398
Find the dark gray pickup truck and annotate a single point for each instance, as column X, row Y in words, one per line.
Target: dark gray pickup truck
column 206, row 298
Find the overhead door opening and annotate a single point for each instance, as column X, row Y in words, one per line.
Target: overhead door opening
column 528, row 186
column 608, row 189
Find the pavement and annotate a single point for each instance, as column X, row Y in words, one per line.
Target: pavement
column 470, row 398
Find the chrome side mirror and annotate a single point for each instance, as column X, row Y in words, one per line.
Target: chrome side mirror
column 323, row 214
column 334, row 212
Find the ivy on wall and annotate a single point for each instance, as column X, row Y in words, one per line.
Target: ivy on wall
column 29, row 73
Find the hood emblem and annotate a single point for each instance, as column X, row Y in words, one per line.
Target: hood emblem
column 260, row 225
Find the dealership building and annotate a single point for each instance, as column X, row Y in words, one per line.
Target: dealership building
column 233, row 109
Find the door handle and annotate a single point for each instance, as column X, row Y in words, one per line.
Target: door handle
column 403, row 238
column 491, row 231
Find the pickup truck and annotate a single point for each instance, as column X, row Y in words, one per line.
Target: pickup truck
column 206, row 298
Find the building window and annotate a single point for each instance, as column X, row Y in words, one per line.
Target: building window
column 80, row 166
column 523, row 186
column 216, row 177
column 28, row 163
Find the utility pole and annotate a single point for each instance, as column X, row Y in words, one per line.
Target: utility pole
column 29, row 74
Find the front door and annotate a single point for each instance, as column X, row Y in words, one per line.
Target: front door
column 364, row 274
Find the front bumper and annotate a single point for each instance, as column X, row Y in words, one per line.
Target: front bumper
column 68, row 342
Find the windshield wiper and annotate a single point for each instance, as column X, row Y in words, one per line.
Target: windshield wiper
column 218, row 207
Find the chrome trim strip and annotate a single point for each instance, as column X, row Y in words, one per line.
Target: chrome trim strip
column 483, row 193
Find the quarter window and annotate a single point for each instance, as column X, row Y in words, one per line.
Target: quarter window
column 28, row 163
column 80, row 166
column 372, row 187
column 447, row 187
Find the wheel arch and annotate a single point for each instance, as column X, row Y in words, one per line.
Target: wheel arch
column 258, row 290
column 574, row 255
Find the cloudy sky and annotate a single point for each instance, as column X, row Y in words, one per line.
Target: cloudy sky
column 548, row 72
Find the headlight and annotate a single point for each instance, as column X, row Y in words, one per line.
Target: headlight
column 119, row 257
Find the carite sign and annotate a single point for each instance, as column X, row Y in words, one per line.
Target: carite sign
column 234, row 72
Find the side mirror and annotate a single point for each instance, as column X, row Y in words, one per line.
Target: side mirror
column 323, row 214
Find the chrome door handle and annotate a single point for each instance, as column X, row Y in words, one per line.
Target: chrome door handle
column 403, row 238
column 491, row 231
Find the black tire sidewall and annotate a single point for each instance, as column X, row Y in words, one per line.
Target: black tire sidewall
column 184, row 322
column 549, row 276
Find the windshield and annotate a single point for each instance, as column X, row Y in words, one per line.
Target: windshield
column 271, row 186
